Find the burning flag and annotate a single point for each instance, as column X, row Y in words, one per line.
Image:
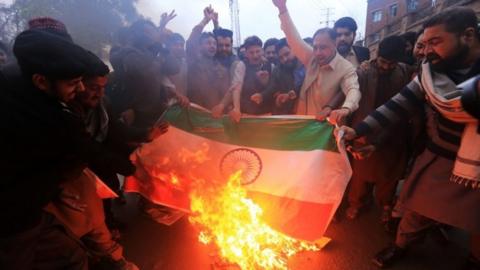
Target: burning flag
column 289, row 165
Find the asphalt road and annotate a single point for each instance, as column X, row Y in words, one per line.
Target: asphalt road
column 154, row 246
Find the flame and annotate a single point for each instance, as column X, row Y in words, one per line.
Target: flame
column 232, row 222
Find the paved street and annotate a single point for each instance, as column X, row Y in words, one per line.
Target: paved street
column 155, row 246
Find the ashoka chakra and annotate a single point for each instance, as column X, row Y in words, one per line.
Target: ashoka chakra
column 242, row 159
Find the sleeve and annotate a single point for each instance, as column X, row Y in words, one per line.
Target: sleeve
column 399, row 107
column 236, row 82
column 351, row 89
column 300, row 48
column 193, row 42
column 471, row 97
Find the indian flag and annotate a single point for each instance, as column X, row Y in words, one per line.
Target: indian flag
column 291, row 166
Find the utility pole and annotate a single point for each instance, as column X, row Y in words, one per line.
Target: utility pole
column 328, row 14
column 235, row 22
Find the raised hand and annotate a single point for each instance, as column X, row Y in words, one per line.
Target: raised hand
column 208, row 13
column 280, row 4
column 166, row 18
column 215, row 20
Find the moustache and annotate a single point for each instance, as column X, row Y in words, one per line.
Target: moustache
column 433, row 56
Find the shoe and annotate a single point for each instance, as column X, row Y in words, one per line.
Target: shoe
column 388, row 256
column 352, row 212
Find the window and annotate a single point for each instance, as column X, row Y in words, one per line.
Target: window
column 377, row 16
column 412, row 5
column 393, row 10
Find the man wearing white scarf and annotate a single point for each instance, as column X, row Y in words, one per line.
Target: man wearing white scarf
column 443, row 186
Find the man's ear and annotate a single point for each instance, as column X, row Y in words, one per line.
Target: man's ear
column 469, row 34
column 41, row 82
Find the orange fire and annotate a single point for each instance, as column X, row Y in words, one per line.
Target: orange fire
column 233, row 223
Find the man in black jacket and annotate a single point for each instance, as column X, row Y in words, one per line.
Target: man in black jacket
column 38, row 154
column 346, row 29
column 44, row 144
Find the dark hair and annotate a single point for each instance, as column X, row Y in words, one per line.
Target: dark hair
column 206, row 35
column 308, row 40
column 173, row 39
column 326, row 30
column 221, row 32
column 270, row 42
column 392, row 48
column 346, row 22
column 419, row 33
column 409, row 37
column 136, row 32
column 456, row 20
column 252, row 41
column 280, row 44
column 95, row 66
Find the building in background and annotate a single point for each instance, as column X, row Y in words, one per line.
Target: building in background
column 394, row 17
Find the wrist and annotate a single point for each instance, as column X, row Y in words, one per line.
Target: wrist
column 282, row 10
column 204, row 21
column 347, row 109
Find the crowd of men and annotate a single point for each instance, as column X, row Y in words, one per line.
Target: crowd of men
column 411, row 112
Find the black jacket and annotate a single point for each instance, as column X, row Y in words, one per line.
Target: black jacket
column 362, row 53
column 43, row 144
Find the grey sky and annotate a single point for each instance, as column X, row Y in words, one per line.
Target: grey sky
column 257, row 17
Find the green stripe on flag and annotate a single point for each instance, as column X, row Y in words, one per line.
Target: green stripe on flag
column 287, row 134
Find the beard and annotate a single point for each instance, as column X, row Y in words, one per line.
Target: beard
column 343, row 48
column 451, row 62
column 290, row 64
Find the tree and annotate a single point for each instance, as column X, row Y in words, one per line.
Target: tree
column 91, row 23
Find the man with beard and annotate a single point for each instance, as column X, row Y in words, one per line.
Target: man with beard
column 230, row 61
column 224, row 53
column 410, row 38
column 137, row 93
column 383, row 78
column 208, row 80
column 346, row 29
column 175, row 44
column 255, row 81
column 443, row 184
column 286, row 80
column 327, row 72
column 40, row 152
column 270, row 51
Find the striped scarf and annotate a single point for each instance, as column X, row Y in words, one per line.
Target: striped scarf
column 445, row 96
